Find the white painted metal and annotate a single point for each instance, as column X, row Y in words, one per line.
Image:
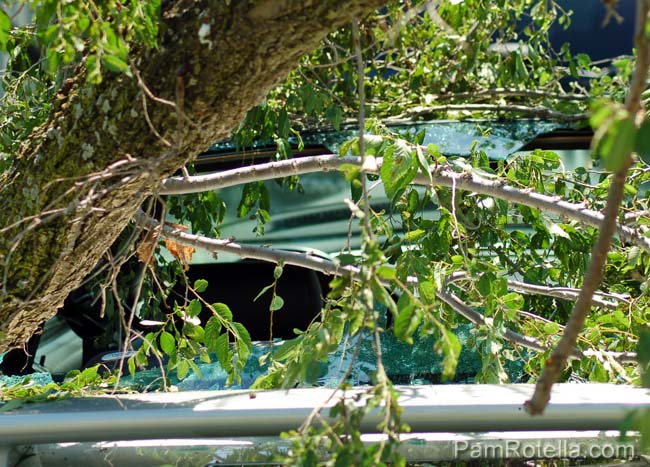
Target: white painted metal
column 445, row 408
column 416, row 448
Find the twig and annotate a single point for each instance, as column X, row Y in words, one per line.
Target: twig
column 555, row 363
column 441, row 177
column 136, row 298
column 362, row 126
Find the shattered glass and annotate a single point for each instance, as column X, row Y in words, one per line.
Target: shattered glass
column 453, row 137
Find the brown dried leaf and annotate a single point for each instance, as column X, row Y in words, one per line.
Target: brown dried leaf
column 146, row 248
column 181, row 252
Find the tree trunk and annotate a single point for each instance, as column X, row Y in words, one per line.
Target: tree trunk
column 79, row 178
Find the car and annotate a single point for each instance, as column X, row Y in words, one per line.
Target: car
column 317, row 222
column 225, row 423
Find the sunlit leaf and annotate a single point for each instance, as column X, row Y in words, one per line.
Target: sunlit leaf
column 167, row 343
column 276, row 303
column 451, row 348
column 614, row 140
column 399, row 168
column 182, row 368
column 200, row 285
column 408, row 319
column 222, row 310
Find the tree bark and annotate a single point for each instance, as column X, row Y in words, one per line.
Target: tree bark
column 80, row 177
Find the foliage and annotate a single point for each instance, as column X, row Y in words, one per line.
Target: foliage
column 417, row 58
column 76, row 383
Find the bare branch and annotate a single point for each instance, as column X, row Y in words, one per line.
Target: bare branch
column 555, row 363
column 564, row 293
column 247, row 251
column 442, row 177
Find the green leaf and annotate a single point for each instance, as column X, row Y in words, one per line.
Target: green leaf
column 222, row 310
column 598, row 373
column 131, row 364
column 243, row 342
column 347, row 259
column 451, row 348
column 93, row 64
column 204, row 356
column 382, row 296
column 277, row 303
column 114, row 63
column 194, row 308
column 194, row 332
column 195, row 368
column 263, row 291
column 373, row 143
column 408, row 319
column 642, row 142
column 423, row 163
column 484, row 284
column 427, row 291
column 222, row 350
column 167, row 343
column 386, row 272
column 5, row 27
column 414, row 235
column 89, row 374
column 601, row 111
column 277, row 272
column 200, row 285
column 212, row 330
column 551, row 328
column 182, row 368
column 398, row 169
column 615, row 140
column 513, row 301
column 11, row 405
column 334, row 114
column 286, row 348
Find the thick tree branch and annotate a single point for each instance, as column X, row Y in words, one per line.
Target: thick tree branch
column 555, row 363
column 215, row 60
column 441, row 177
column 330, row 268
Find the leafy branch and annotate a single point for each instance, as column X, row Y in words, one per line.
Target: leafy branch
column 442, row 176
column 621, row 162
column 330, row 268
